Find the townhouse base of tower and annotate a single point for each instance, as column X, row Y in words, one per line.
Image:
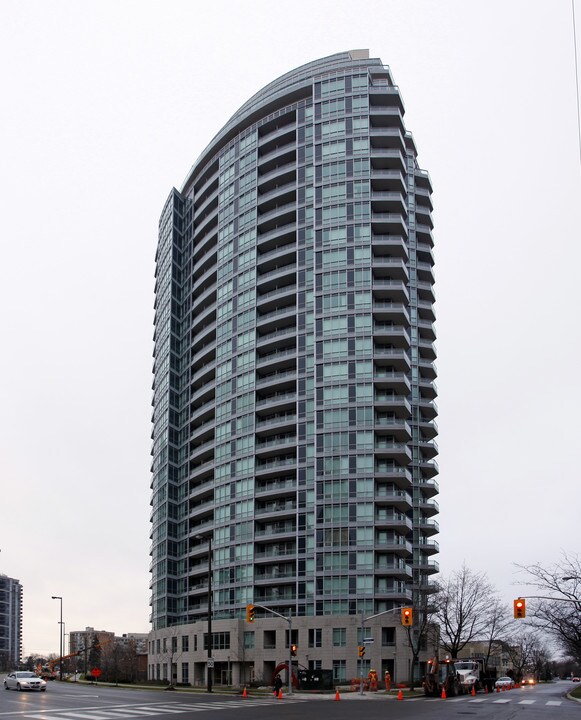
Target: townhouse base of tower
column 249, row 654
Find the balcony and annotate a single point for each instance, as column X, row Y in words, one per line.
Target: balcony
column 397, row 335
column 397, row 475
column 430, row 547
column 285, row 357
column 428, row 486
column 268, row 280
column 395, row 312
column 279, row 176
column 391, row 290
column 395, row 521
column 274, row 466
column 275, row 550
column 391, row 497
column 399, row 569
column 273, row 444
column 398, row 452
column 429, row 448
column 281, row 400
column 276, row 508
column 394, row 403
column 427, row 526
column 393, row 268
column 280, row 486
column 398, row 382
column 397, row 545
column 389, row 223
column 275, row 529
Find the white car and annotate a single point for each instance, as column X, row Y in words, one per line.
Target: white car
column 23, row 680
column 504, row 682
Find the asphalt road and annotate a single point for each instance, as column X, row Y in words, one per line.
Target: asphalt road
column 69, row 701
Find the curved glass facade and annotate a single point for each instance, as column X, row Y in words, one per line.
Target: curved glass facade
column 293, row 406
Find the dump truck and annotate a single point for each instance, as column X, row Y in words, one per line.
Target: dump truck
column 474, row 674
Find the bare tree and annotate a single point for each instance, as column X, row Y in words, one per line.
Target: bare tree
column 523, row 650
column 498, row 623
column 171, row 653
column 558, row 617
column 463, row 604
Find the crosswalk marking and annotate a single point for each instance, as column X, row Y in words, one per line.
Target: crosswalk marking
column 553, row 702
column 501, row 702
column 92, row 715
column 526, row 702
column 163, row 709
column 123, row 712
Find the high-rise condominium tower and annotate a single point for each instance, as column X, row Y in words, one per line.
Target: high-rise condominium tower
column 293, row 407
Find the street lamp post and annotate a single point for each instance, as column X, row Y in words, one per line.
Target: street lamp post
column 210, row 668
column 58, row 597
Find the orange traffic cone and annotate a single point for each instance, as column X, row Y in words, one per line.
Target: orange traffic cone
column 497, row 688
column 473, row 691
column 245, row 694
column 337, row 696
column 400, row 695
column 444, row 696
column 280, row 694
column 486, row 689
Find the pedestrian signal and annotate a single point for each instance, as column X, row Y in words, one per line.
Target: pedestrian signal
column 520, row 608
column 407, row 617
column 250, row 613
column 293, row 650
column 362, row 651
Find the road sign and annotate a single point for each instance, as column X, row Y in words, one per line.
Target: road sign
column 210, row 662
column 96, row 672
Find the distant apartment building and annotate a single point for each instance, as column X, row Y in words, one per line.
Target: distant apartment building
column 10, row 622
column 81, row 640
column 139, row 641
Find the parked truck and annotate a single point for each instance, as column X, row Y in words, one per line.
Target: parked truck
column 473, row 673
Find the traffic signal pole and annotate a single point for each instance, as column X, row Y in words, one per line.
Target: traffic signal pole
column 290, row 655
column 363, row 621
column 360, row 656
column 289, row 620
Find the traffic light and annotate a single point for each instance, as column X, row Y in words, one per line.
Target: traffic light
column 520, row 608
column 407, row 617
column 250, row 613
column 293, row 650
column 362, row 651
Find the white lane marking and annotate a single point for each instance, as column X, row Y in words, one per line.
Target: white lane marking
column 92, row 715
column 133, row 711
column 163, row 709
column 106, row 715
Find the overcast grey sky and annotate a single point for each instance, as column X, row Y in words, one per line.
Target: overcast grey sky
column 105, row 106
